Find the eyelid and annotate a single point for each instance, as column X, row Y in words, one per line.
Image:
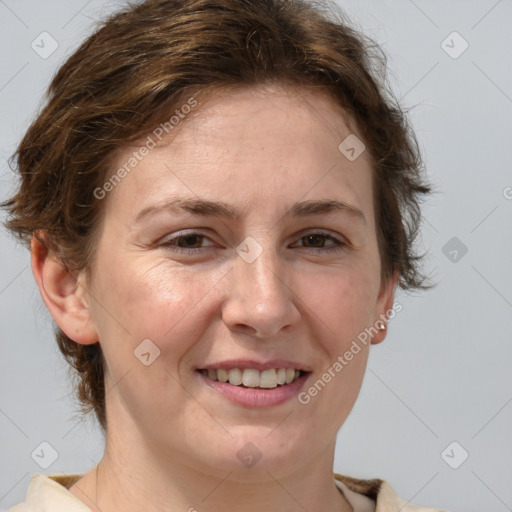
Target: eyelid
column 166, row 240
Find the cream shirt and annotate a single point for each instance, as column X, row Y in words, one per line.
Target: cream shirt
column 49, row 493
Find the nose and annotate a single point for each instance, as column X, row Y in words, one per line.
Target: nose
column 260, row 302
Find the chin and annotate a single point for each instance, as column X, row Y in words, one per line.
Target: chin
column 254, row 452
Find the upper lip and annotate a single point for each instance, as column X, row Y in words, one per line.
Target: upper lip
column 256, row 365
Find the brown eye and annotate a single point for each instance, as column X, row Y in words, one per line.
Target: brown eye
column 314, row 240
column 189, row 241
column 320, row 242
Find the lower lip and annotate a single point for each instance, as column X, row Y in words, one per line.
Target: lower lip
column 256, row 397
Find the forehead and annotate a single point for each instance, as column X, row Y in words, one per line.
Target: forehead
column 265, row 114
column 248, row 144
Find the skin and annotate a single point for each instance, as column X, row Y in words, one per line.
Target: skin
column 172, row 441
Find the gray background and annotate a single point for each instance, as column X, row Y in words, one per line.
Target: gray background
column 444, row 373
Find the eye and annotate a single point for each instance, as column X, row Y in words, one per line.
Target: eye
column 194, row 243
column 189, row 243
column 321, row 242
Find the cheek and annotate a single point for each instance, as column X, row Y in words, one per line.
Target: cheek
column 172, row 308
column 342, row 302
column 168, row 305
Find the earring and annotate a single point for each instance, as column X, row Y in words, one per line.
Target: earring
column 382, row 326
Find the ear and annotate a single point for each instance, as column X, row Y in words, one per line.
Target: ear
column 384, row 306
column 63, row 293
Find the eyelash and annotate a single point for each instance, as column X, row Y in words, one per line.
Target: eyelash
column 171, row 243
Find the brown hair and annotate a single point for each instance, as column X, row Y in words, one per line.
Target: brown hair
column 139, row 66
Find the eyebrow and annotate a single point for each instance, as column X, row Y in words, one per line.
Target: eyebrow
column 224, row 210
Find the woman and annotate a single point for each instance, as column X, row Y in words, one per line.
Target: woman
column 221, row 199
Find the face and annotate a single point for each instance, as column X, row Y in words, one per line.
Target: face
column 245, row 246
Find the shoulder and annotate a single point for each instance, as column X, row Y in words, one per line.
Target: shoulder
column 50, row 493
column 382, row 494
column 21, row 507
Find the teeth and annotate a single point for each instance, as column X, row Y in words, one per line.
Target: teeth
column 222, row 375
column 268, row 379
column 235, row 377
column 252, row 378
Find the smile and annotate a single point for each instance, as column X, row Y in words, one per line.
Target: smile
column 253, row 378
column 242, row 384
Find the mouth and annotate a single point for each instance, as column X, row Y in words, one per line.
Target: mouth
column 253, row 378
column 245, row 384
